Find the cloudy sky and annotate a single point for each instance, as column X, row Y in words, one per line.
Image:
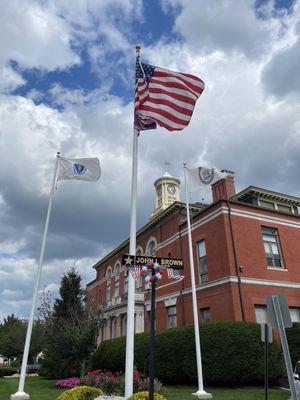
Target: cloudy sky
column 66, row 84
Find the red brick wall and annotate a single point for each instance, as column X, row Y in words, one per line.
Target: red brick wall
column 223, row 300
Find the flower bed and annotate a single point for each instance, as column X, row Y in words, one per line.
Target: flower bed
column 68, row 383
column 112, row 384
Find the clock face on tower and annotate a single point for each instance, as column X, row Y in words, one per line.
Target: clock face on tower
column 171, row 189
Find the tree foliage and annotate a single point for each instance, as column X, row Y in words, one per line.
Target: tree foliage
column 12, row 338
column 71, row 330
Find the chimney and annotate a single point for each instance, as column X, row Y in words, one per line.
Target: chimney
column 224, row 188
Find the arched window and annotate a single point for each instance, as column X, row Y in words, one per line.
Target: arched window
column 108, row 273
column 117, row 268
column 151, row 248
column 139, row 251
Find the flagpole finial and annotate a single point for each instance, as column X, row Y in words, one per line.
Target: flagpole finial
column 138, row 49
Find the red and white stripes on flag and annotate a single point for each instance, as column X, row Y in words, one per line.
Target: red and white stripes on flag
column 166, row 97
column 171, row 275
column 135, row 272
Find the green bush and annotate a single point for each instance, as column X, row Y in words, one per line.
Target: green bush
column 7, row 371
column 145, row 396
column 81, row 393
column 232, row 353
column 293, row 336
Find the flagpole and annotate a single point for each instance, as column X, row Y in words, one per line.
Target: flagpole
column 20, row 394
column 201, row 392
column 131, row 282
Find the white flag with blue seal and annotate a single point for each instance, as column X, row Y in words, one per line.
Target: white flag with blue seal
column 203, row 176
column 83, row 169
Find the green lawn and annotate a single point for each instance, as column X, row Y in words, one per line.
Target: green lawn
column 37, row 388
column 184, row 393
column 43, row 389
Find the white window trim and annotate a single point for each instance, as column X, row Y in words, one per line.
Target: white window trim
column 278, row 269
column 275, row 205
column 109, row 269
column 117, row 264
column 171, row 302
column 139, row 248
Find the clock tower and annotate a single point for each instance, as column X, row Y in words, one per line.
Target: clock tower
column 167, row 192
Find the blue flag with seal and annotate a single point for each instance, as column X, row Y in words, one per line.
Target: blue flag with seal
column 83, row 169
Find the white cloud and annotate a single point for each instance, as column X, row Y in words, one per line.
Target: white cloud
column 34, row 37
column 236, row 125
column 9, row 79
column 281, row 74
column 230, row 26
column 12, row 247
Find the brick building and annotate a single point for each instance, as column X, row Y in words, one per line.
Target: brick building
column 246, row 247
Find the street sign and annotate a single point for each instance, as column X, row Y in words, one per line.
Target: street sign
column 140, row 261
column 271, row 314
column 266, row 330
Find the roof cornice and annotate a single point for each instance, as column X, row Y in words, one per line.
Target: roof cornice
column 267, row 194
column 172, row 209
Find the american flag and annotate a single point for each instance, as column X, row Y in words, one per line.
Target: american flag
column 171, row 275
column 134, row 271
column 164, row 97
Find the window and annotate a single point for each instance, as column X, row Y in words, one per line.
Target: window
column 272, row 248
column 117, row 288
column 151, row 248
column 126, row 282
column 124, row 325
column 138, row 252
column 202, row 261
column 267, row 204
column 172, row 319
column 113, row 328
column 260, row 314
column 282, row 207
column 99, row 296
column 205, row 314
column 139, row 282
column 295, row 314
column 108, row 291
column 117, row 269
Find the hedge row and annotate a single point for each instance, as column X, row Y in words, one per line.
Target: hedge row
column 7, row 371
column 232, row 353
column 293, row 336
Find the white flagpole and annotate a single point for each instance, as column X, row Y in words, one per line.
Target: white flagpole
column 20, row 394
column 201, row 392
column 131, row 281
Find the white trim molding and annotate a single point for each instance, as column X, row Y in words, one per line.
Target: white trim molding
column 171, row 301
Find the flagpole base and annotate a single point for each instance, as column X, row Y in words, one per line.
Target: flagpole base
column 20, row 396
column 201, row 394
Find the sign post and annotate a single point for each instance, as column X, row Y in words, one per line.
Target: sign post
column 266, row 337
column 151, row 270
column 278, row 315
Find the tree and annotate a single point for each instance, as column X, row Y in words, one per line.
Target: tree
column 12, row 338
column 71, row 330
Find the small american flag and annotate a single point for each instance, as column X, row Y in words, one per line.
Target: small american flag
column 171, row 274
column 164, row 97
column 134, row 271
